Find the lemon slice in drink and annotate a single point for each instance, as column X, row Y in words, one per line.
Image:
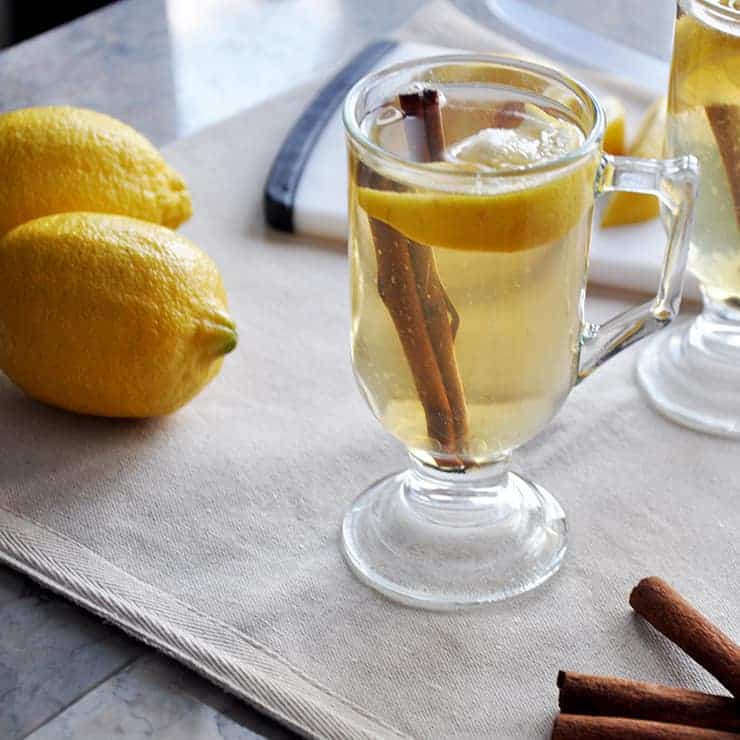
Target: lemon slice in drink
column 505, row 222
column 527, row 211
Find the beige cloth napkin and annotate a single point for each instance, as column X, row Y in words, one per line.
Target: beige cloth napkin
column 213, row 534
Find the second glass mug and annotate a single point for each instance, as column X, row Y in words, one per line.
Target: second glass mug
column 468, row 287
column 692, row 373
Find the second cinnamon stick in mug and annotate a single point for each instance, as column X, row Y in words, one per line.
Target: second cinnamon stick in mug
column 410, row 286
column 442, row 319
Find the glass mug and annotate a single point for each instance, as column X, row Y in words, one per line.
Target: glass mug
column 692, row 373
column 468, row 285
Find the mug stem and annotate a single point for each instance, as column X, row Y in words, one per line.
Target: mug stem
column 457, row 498
column 444, row 540
column 692, row 373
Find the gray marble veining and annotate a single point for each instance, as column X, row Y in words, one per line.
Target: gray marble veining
column 155, row 698
column 171, row 67
column 13, row 586
column 51, row 653
column 115, row 60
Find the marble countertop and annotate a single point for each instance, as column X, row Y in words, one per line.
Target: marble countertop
column 169, row 67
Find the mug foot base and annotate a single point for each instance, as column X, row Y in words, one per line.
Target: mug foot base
column 692, row 376
column 447, row 552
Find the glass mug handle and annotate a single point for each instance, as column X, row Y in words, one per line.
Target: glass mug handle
column 674, row 182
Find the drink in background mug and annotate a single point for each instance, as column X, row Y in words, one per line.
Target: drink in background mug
column 472, row 183
column 692, row 373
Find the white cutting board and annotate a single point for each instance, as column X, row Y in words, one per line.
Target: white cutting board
column 627, row 257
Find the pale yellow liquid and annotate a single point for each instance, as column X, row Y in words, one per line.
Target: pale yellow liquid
column 709, row 74
column 517, row 345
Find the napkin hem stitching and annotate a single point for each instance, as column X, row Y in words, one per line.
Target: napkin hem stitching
column 54, row 579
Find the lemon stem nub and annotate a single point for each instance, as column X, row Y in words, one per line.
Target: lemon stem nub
column 230, row 344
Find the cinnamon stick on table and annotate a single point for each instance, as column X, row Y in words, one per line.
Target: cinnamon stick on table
column 621, row 697
column 410, row 286
column 575, row 727
column 681, row 623
column 724, row 121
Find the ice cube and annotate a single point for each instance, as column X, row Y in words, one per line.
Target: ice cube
column 539, row 137
column 496, row 148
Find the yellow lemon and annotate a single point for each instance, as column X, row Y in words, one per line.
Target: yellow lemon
column 504, row 222
column 631, row 208
column 109, row 315
column 58, row 159
column 614, row 136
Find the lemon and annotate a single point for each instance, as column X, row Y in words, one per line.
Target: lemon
column 503, row 222
column 58, row 159
column 109, row 315
column 631, row 208
column 614, row 136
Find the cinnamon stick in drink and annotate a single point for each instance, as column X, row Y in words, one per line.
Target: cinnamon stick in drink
column 433, row 124
column 440, row 315
column 415, row 126
column 410, row 287
column 576, row 727
column 441, row 329
column 621, row 697
column 684, row 625
column 397, row 287
column 724, row 121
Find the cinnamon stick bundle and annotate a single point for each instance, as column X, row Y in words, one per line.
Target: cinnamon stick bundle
column 621, row 697
column 575, row 727
column 681, row 623
column 442, row 320
column 411, row 289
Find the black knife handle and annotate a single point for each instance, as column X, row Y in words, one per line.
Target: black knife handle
column 291, row 159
